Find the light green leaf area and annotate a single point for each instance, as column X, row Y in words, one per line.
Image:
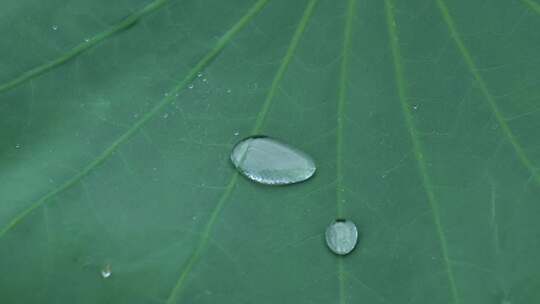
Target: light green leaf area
column 117, row 119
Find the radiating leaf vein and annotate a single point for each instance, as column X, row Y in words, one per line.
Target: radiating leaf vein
column 80, row 48
column 417, row 146
column 192, row 74
column 176, row 290
column 533, row 5
column 342, row 96
column 499, row 117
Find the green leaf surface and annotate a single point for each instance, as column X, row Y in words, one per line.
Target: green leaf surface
column 117, row 119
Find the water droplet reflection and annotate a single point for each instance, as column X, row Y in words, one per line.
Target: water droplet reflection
column 341, row 236
column 106, row 272
column 272, row 162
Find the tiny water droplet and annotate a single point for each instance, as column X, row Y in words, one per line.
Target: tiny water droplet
column 86, row 39
column 199, row 75
column 17, row 146
column 205, row 80
column 271, row 162
column 166, row 115
column 341, row 236
column 194, row 218
column 190, row 86
column 415, row 107
column 177, row 94
column 236, row 133
column 106, row 272
column 166, row 93
column 229, row 91
column 54, row 27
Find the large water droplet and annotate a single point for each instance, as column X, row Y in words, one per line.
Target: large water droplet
column 269, row 161
column 341, row 236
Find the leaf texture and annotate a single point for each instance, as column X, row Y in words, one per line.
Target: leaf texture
column 117, row 120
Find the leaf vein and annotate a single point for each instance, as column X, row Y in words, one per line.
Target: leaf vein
column 417, row 146
column 175, row 292
column 342, row 96
column 533, row 5
column 192, row 74
column 499, row 117
column 80, row 48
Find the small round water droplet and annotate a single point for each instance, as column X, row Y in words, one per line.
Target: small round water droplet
column 271, row 162
column 166, row 94
column 415, row 107
column 106, row 272
column 236, row 133
column 205, row 80
column 17, row 146
column 54, row 27
column 86, row 39
column 199, row 75
column 190, row 86
column 341, row 236
column 229, row 91
column 166, row 115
